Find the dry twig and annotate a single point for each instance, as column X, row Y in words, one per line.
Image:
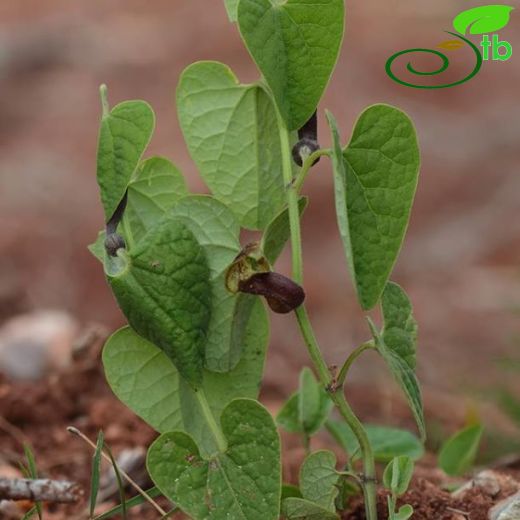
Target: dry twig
column 36, row 490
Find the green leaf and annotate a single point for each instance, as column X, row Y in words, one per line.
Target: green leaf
column 289, row 490
column 96, row 470
column 163, row 288
column 375, row 178
column 295, row 44
column 143, row 378
column 483, row 19
column 306, row 410
column 278, row 232
column 398, row 474
column 232, row 136
column 318, row 479
column 405, row 512
column 217, row 230
column 123, row 137
column 386, row 442
column 244, row 482
column 459, row 452
column 155, row 188
column 301, row 509
column 131, row 502
column 397, row 344
column 231, row 8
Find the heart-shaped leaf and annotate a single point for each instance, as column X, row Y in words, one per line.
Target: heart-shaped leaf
column 318, row 479
column 295, row 44
column 142, row 376
column 375, row 178
column 154, row 188
column 386, row 442
column 483, row 19
column 243, row 482
column 397, row 344
column 123, row 137
column 232, row 136
column 163, row 287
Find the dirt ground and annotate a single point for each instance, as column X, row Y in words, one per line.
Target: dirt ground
column 459, row 262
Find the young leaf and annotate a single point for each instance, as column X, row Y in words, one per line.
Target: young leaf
column 244, row 482
column 143, row 378
column 405, row 512
column 386, row 442
column 163, row 288
column 398, row 474
column 397, row 343
column 124, row 135
column 96, row 470
column 301, row 509
column 306, row 410
column 483, row 19
column 155, row 188
column 375, row 178
column 295, row 45
column 231, row 8
column 318, row 479
column 232, row 136
column 459, row 451
column 278, row 232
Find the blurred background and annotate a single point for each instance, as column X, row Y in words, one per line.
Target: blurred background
column 459, row 262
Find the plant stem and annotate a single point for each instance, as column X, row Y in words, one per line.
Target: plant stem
column 220, row 440
column 350, row 360
column 337, row 396
column 307, row 165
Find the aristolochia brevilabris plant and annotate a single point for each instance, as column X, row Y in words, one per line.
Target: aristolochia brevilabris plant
column 190, row 361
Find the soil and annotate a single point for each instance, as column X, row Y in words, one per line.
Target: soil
column 39, row 413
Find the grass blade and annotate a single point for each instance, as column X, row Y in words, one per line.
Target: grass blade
column 96, row 469
column 30, row 513
column 120, row 485
column 33, row 473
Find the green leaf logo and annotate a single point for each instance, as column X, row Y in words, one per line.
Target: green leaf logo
column 483, row 19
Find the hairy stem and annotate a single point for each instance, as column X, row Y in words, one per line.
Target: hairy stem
column 337, row 396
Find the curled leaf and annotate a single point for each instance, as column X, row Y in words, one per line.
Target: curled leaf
column 483, row 19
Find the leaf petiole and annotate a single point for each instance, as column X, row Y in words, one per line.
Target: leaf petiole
column 350, row 360
column 307, row 165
